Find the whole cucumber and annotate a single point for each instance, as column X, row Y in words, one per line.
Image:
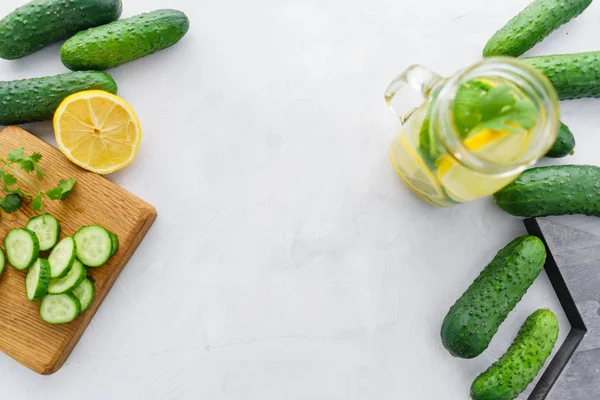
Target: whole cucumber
column 37, row 99
column 564, row 145
column 555, row 190
column 123, row 41
column 532, row 25
column 574, row 76
column 521, row 363
column 39, row 23
column 474, row 319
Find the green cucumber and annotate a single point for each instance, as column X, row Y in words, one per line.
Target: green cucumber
column 60, row 308
column 521, row 363
column 532, row 25
column 75, row 276
column 62, row 257
column 555, row 190
column 574, row 76
column 123, row 41
column 474, row 319
column 2, row 262
column 47, row 230
column 94, row 245
column 38, row 277
column 22, row 248
column 564, row 145
column 85, row 292
column 115, row 243
column 37, row 99
column 39, row 23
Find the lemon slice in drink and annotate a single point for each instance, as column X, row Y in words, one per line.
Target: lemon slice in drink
column 463, row 184
column 413, row 171
column 97, row 131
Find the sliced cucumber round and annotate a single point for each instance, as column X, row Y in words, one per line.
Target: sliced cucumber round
column 85, row 292
column 62, row 258
column 94, row 245
column 22, row 248
column 2, row 262
column 71, row 281
column 115, row 243
column 59, row 308
column 46, row 228
column 38, row 277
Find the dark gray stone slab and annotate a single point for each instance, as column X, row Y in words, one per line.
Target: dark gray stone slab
column 573, row 266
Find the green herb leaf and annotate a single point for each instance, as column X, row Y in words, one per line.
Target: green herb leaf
column 495, row 101
column 11, row 203
column 9, row 180
column 30, row 164
column 522, row 114
column 496, row 108
column 15, row 155
column 62, row 190
column 36, row 157
column 466, row 107
column 429, row 145
column 9, row 174
column 37, row 204
column 25, row 164
column 39, row 173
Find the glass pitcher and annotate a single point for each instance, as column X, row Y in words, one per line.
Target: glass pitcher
column 469, row 135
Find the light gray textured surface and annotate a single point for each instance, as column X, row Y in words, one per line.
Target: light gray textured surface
column 288, row 260
column 577, row 255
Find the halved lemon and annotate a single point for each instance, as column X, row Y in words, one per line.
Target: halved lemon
column 97, row 131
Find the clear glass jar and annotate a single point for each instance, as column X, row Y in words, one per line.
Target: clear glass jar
column 474, row 132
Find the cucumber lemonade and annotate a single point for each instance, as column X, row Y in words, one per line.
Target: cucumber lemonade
column 472, row 137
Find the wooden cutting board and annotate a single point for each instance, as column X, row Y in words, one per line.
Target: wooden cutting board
column 95, row 200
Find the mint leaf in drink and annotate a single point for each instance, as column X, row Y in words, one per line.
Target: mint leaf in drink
column 495, row 101
column 429, row 145
column 522, row 115
column 480, row 106
column 466, row 106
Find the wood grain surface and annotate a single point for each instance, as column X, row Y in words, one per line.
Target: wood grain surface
column 95, row 200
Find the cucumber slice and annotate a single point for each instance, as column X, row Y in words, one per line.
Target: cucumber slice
column 62, row 257
column 59, row 308
column 115, row 243
column 72, row 280
column 94, row 245
column 2, row 262
column 85, row 292
column 22, row 248
column 46, row 228
column 37, row 279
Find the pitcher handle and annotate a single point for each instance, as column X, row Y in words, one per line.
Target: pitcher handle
column 409, row 90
